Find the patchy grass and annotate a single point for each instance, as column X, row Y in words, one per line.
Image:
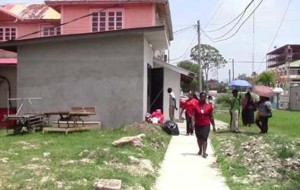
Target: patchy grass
column 78, row 160
column 252, row 161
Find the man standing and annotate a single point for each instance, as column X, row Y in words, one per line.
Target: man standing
column 172, row 104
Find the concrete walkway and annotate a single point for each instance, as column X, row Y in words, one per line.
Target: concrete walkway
column 183, row 169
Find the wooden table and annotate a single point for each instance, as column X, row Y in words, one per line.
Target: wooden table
column 69, row 116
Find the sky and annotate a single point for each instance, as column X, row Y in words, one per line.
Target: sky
column 272, row 26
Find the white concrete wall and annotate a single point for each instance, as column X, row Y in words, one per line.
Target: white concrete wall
column 148, row 59
column 107, row 73
column 172, row 80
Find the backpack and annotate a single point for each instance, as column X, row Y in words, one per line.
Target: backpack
column 171, row 128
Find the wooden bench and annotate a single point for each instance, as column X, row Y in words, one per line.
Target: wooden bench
column 89, row 125
column 75, row 115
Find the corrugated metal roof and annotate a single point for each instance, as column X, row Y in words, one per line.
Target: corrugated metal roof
column 31, row 11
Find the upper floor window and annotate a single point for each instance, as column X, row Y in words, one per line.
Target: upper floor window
column 107, row 20
column 8, row 33
column 50, row 31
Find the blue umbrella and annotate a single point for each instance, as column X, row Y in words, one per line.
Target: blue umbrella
column 239, row 83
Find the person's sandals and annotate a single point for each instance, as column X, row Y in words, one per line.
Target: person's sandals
column 200, row 152
column 204, row 155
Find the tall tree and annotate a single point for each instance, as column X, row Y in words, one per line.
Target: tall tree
column 210, row 58
column 267, row 78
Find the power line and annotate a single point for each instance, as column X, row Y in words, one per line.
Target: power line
column 239, row 16
column 278, row 29
column 248, row 61
column 183, row 29
column 214, row 14
column 186, row 49
column 76, row 19
column 241, row 24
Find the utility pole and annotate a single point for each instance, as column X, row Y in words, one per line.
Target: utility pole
column 253, row 38
column 229, row 75
column 289, row 59
column 199, row 56
column 232, row 69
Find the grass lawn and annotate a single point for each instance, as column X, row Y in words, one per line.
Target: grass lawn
column 252, row 161
column 78, row 160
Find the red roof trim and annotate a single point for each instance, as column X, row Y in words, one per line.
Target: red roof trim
column 8, row 61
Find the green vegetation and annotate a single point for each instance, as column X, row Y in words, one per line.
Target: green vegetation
column 252, row 161
column 78, row 160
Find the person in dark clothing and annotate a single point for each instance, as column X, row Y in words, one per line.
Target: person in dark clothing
column 264, row 113
column 248, row 109
column 203, row 117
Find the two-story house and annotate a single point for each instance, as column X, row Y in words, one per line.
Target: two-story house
column 17, row 21
column 109, row 54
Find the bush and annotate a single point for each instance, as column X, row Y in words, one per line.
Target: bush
column 224, row 99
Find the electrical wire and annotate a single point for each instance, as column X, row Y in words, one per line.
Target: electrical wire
column 239, row 16
column 187, row 49
column 76, row 19
column 241, row 24
column 278, row 29
column 231, row 29
column 183, row 29
column 205, row 34
column 214, row 14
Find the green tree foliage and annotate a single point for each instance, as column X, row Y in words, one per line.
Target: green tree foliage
column 210, row 58
column 267, row 78
column 190, row 66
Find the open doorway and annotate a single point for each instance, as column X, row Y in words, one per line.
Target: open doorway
column 156, row 97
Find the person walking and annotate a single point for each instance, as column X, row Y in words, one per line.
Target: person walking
column 188, row 106
column 248, row 109
column 234, row 111
column 264, row 113
column 203, row 117
column 172, row 104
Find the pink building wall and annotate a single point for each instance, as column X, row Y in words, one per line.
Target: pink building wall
column 69, row 13
column 139, row 15
column 135, row 16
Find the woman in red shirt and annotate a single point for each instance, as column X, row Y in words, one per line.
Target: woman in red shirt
column 188, row 106
column 203, row 117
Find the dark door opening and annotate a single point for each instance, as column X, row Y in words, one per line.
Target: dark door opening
column 149, row 75
column 156, row 98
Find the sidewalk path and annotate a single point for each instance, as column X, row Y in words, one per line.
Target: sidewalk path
column 183, row 169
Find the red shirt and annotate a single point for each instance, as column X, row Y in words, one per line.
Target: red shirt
column 189, row 106
column 203, row 114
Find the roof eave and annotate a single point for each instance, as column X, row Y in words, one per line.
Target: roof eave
column 151, row 33
column 10, row 14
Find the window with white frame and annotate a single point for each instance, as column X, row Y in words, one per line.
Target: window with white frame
column 50, row 30
column 8, row 33
column 107, row 20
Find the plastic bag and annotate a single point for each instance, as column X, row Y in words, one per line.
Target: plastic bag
column 171, row 128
